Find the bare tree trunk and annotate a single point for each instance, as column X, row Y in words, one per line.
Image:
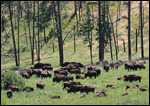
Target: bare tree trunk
column 136, row 41
column 129, row 44
column 18, row 33
column 74, row 41
column 29, row 28
column 38, row 36
column 116, row 30
column 142, row 50
column 33, row 35
column 13, row 34
column 114, row 37
column 60, row 37
column 76, row 14
column 53, row 48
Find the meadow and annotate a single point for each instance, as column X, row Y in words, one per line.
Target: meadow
column 42, row 96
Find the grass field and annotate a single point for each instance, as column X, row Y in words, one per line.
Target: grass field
column 42, row 97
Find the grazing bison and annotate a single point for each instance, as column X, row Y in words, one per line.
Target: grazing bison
column 87, row 89
column 120, row 78
column 135, row 86
column 55, row 97
column 97, row 70
column 106, row 67
column 67, row 78
column 124, row 94
column 68, row 84
column 45, row 74
column 65, row 64
column 111, row 86
column 13, row 88
column 79, row 76
column 83, row 96
column 37, row 72
column 90, row 74
column 143, row 89
column 45, row 67
column 38, row 65
column 128, row 87
column 40, row 85
column 25, row 75
column 9, row 94
column 75, row 71
column 100, row 94
column 132, row 77
column 112, row 64
column 28, row 89
column 58, row 77
column 75, row 88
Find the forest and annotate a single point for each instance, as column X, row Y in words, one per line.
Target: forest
column 87, row 33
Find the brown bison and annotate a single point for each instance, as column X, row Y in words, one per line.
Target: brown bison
column 135, row 86
column 112, row 64
column 13, row 88
column 90, row 74
column 58, row 77
column 55, row 97
column 28, row 89
column 87, row 89
column 37, row 72
column 111, row 86
column 25, row 75
column 75, row 71
column 128, row 87
column 67, row 78
column 102, row 93
column 45, row 74
column 75, row 88
column 40, row 85
column 124, row 94
column 45, row 67
column 106, row 67
column 132, row 77
column 79, row 76
column 9, row 94
column 143, row 89
column 68, row 84
column 120, row 78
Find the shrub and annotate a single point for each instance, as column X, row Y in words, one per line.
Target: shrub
column 11, row 78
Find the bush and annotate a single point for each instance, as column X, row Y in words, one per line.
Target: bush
column 11, row 78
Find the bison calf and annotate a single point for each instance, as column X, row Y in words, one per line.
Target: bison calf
column 40, row 85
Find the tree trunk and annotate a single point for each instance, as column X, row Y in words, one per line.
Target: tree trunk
column 116, row 30
column 74, row 41
column 99, row 14
column 13, row 34
column 91, row 49
column 33, row 35
column 142, row 50
column 60, row 37
column 38, row 36
column 76, row 14
column 53, row 48
column 18, row 34
column 114, row 37
column 129, row 44
column 29, row 29
column 136, row 41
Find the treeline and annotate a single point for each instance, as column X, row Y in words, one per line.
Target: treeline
column 40, row 15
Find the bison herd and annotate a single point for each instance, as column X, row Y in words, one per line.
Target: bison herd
column 42, row 70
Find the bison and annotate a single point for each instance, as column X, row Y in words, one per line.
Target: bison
column 106, row 67
column 87, row 89
column 9, row 93
column 102, row 93
column 91, row 74
column 68, row 84
column 28, row 89
column 124, row 94
column 58, row 77
column 45, row 74
column 143, row 89
column 79, row 76
column 75, row 71
column 13, row 88
column 75, row 88
column 128, row 87
column 132, row 77
column 40, row 85
column 67, row 78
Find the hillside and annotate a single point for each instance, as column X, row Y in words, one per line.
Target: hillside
column 82, row 51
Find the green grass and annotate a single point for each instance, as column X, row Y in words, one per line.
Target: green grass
column 42, row 97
